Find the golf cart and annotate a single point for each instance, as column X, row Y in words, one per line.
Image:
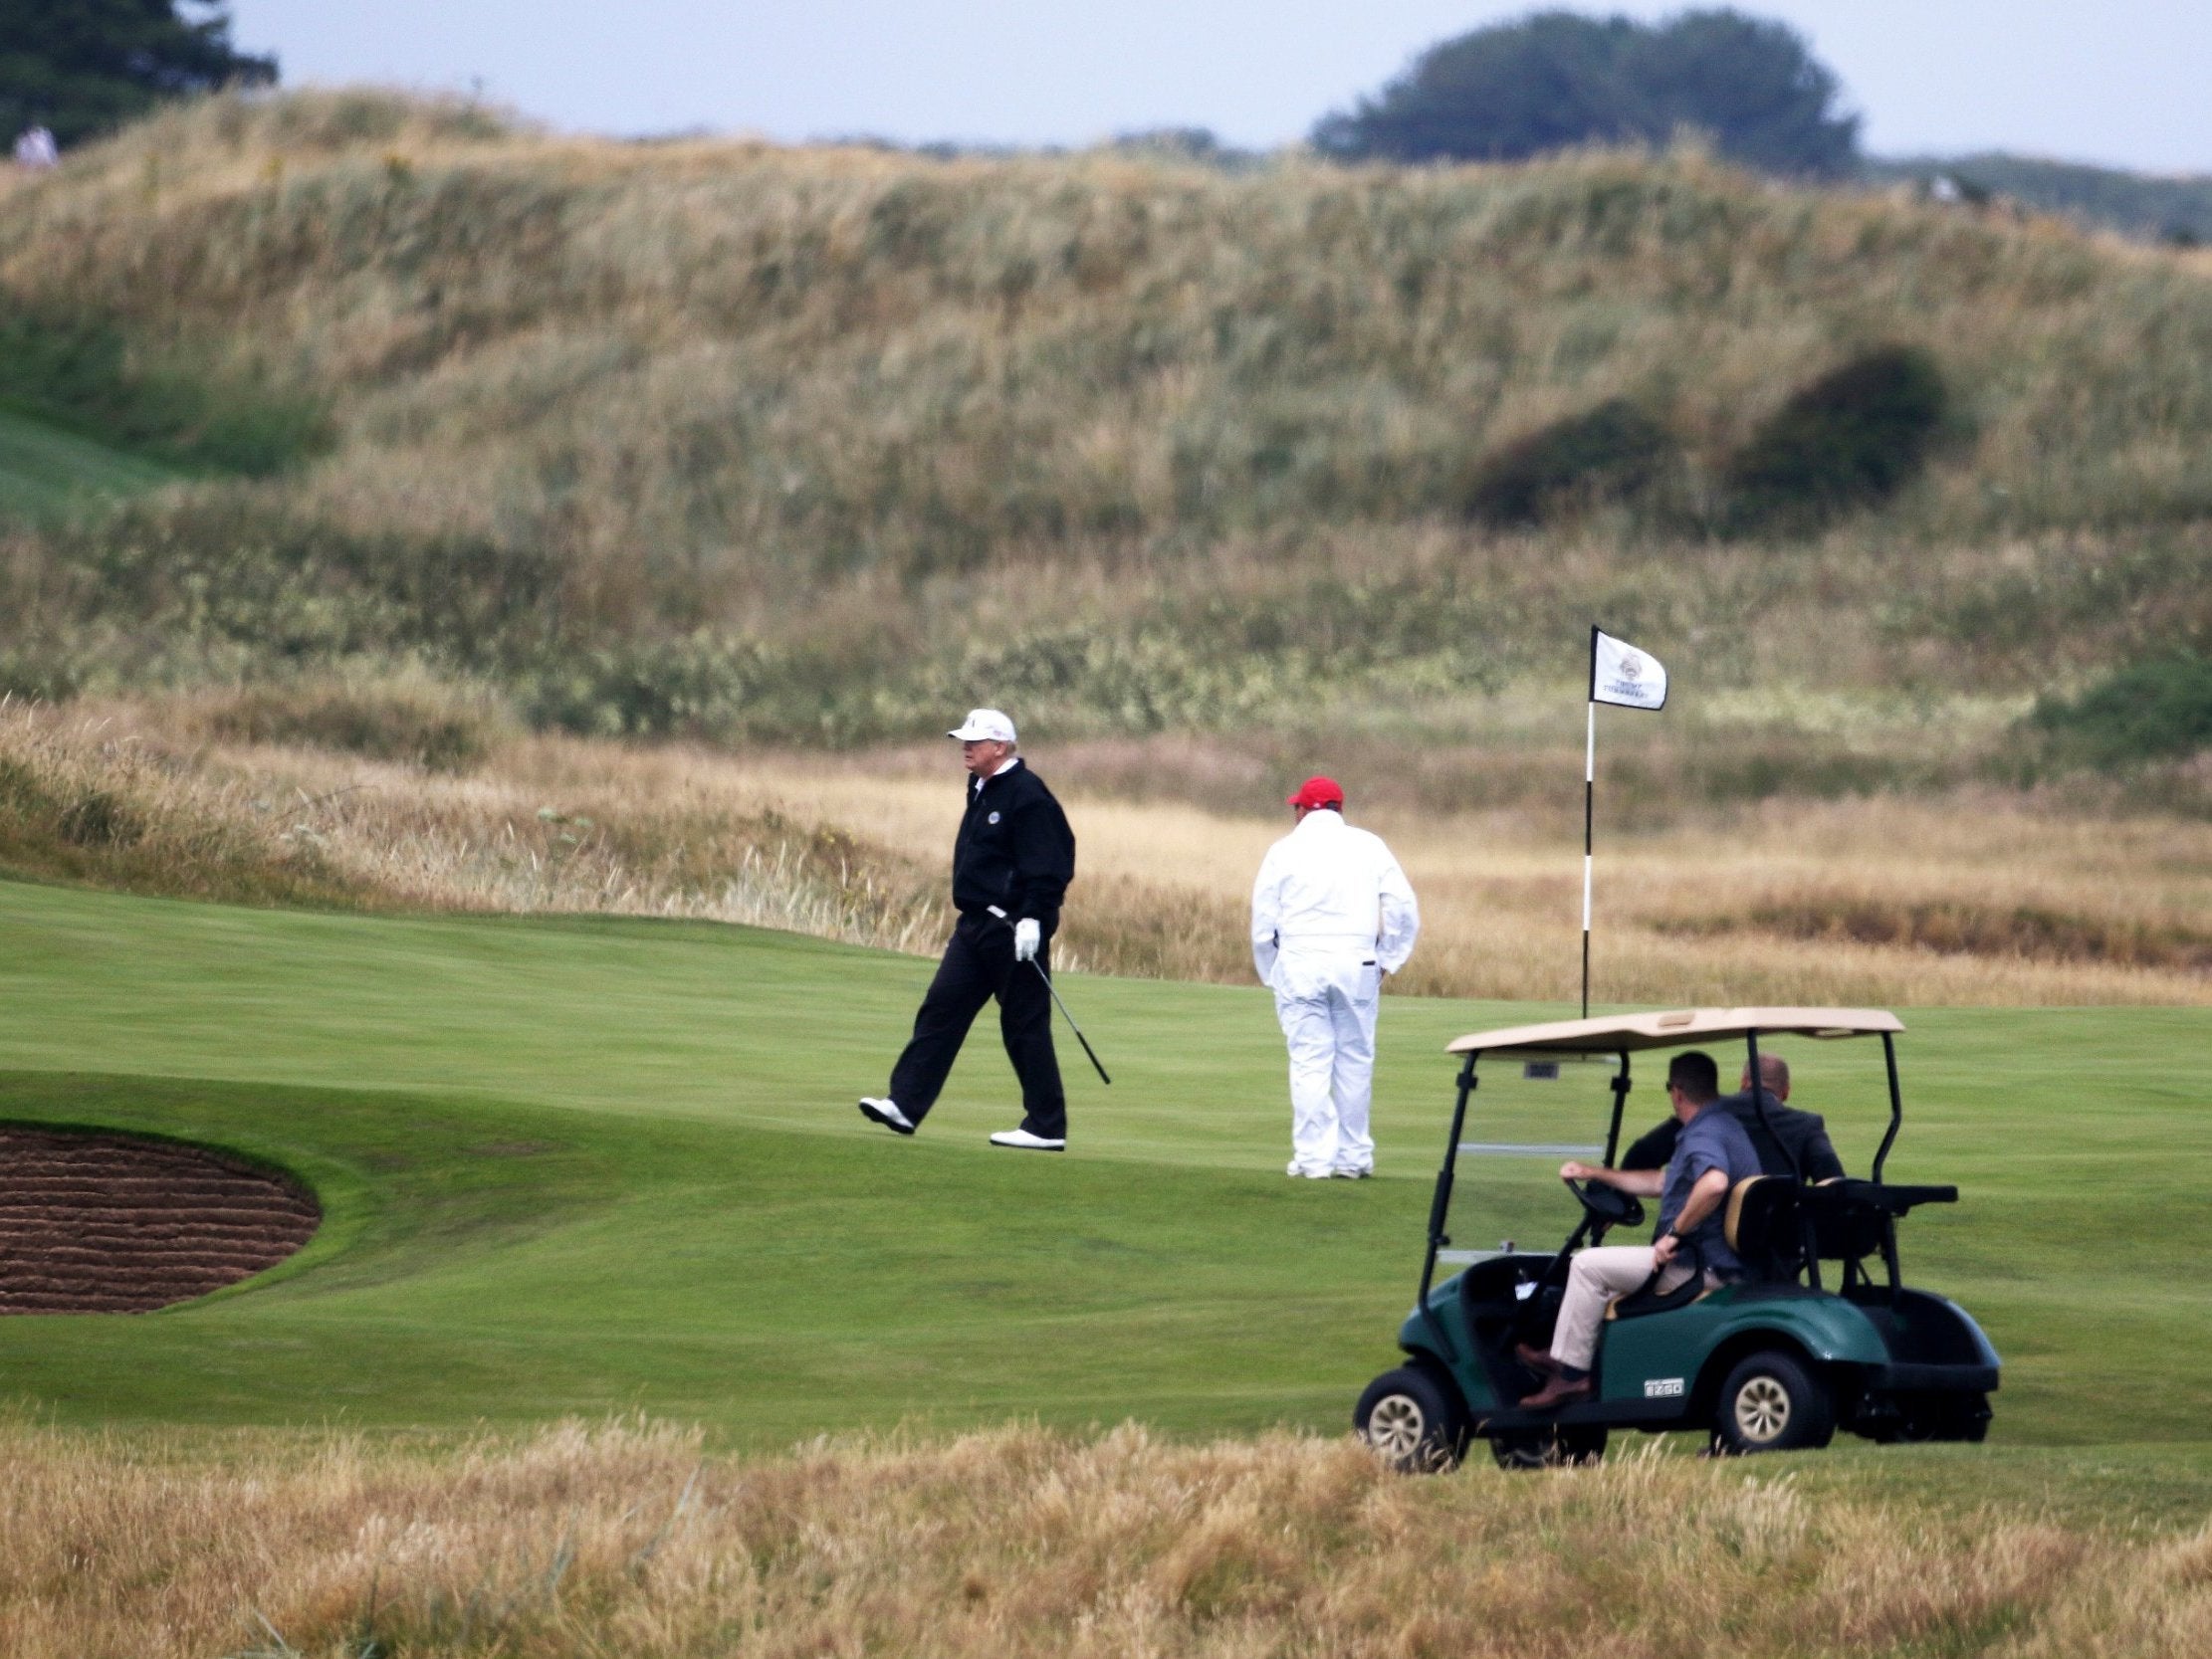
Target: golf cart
column 1821, row 1332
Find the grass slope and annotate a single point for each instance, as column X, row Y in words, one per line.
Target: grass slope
column 575, row 1166
column 717, row 437
column 48, row 474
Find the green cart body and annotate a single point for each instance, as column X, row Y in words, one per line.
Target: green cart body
column 1820, row 1334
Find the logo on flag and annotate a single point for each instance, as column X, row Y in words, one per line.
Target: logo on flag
column 1622, row 675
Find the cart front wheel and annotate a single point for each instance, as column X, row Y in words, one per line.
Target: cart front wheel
column 1771, row 1403
column 1414, row 1420
column 1555, row 1448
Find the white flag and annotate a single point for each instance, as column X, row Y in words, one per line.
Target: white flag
column 1621, row 673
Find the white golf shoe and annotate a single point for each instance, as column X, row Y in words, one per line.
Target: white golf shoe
column 1023, row 1141
column 886, row 1113
column 1296, row 1173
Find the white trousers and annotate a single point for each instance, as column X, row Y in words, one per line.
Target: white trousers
column 1599, row 1278
column 1327, row 1001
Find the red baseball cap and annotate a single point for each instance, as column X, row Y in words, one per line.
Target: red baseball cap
column 1317, row 792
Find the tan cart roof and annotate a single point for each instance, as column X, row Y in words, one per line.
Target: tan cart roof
column 1675, row 1028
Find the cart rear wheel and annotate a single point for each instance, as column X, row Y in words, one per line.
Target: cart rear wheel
column 1414, row 1419
column 1552, row 1448
column 1771, row 1403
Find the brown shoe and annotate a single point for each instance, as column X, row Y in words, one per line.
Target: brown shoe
column 1536, row 1360
column 1560, row 1392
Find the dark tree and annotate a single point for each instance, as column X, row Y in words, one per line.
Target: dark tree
column 1754, row 85
column 1556, row 78
column 83, row 67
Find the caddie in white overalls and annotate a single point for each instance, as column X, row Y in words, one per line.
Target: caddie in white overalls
column 1331, row 915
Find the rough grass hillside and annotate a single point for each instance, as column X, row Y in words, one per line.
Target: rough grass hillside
column 726, row 438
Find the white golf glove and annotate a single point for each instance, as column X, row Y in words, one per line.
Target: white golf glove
column 1026, row 934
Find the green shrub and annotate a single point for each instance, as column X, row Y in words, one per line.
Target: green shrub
column 2159, row 709
column 701, row 685
column 1604, row 454
column 84, row 372
column 1852, row 437
column 214, row 573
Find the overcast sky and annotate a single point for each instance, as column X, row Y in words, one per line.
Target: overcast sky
column 2122, row 81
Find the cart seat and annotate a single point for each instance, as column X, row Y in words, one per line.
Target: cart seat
column 1851, row 1219
column 1764, row 1226
column 1647, row 1300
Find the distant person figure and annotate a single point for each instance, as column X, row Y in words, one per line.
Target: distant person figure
column 1332, row 913
column 1011, row 861
column 36, row 151
column 1792, row 1130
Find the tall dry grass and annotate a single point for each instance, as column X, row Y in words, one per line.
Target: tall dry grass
column 115, row 798
column 1976, row 896
column 1979, row 896
column 626, row 1542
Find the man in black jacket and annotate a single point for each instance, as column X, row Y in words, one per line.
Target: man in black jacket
column 1011, row 863
column 1802, row 1133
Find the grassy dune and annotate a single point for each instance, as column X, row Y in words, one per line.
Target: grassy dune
column 731, row 439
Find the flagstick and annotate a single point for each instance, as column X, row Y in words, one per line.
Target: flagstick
column 1626, row 686
column 1589, row 811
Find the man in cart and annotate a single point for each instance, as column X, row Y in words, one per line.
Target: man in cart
column 1788, row 1142
column 1711, row 1155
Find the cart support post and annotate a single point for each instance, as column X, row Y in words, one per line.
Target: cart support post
column 1620, row 1104
column 1897, row 1103
column 1759, row 1108
column 1439, row 1208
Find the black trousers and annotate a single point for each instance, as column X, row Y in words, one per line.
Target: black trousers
column 978, row 964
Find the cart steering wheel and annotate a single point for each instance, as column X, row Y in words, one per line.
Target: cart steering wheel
column 1608, row 1206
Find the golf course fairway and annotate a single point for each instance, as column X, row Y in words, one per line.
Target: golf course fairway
column 580, row 1165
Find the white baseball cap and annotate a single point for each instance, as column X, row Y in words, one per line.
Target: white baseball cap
column 982, row 724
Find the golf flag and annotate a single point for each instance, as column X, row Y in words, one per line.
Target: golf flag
column 1622, row 675
column 1628, row 679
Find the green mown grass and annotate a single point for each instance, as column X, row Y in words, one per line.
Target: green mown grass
column 47, row 474
column 588, row 1165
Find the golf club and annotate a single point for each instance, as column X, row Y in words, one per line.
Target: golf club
column 1090, row 1052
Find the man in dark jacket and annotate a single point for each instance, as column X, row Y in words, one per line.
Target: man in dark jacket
column 1802, row 1133
column 1011, row 863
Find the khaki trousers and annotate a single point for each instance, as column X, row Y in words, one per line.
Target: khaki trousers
column 1598, row 1279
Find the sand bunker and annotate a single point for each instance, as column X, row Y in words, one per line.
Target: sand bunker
column 102, row 1223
